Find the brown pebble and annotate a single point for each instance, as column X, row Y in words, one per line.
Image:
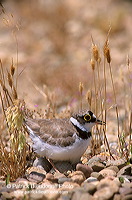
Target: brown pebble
column 85, row 169
column 108, row 172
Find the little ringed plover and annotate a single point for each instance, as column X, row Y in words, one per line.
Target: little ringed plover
column 62, row 139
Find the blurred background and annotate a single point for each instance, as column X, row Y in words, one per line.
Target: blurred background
column 53, row 41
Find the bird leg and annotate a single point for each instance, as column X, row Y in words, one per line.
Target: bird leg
column 51, row 162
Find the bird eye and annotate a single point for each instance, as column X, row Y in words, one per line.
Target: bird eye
column 87, row 117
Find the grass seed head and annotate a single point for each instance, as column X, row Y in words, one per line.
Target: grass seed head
column 89, row 97
column 95, row 52
column 107, row 52
column 12, row 69
column 14, row 93
column 9, row 79
column 92, row 62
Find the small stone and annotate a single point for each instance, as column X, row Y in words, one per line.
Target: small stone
column 91, row 179
column 43, row 163
column 114, row 168
column 127, row 197
column 65, row 197
column 64, row 179
column 104, row 194
column 69, row 185
column 85, row 160
column 125, row 191
column 97, row 166
column 36, row 177
column 117, row 182
column 97, row 175
column 89, row 187
column 22, row 181
column 51, row 178
column 77, row 177
column 125, row 171
column 51, row 194
column 108, row 183
column 36, row 169
column 108, row 172
column 119, row 163
column 58, row 175
column 37, row 195
column 127, row 185
column 80, row 195
column 85, row 169
column 93, row 159
column 117, row 197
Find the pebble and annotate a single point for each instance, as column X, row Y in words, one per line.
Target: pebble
column 70, row 185
column 85, row 169
column 64, row 179
column 108, row 183
column 36, row 195
column 80, row 195
column 51, row 194
column 107, row 172
column 104, row 194
column 42, row 162
column 117, row 197
column 127, row 185
column 77, row 177
column 91, row 179
column 125, row 190
column 127, row 197
column 65, row 197
column 93, row 159
column 36, row 177
column 36, row 169
column 51, row 178
column 97, row 175
column 127, row 170
column 97, row 166
column 114, row 168
column 89, row 187
column 58, row 175
column 22, row 181
column 119, row 163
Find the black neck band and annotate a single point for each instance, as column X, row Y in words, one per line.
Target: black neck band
column 83, row 134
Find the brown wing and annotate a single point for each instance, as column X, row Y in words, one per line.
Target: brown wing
column 54, row 131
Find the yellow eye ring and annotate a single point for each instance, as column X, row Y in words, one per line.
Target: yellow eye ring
column 87, row 117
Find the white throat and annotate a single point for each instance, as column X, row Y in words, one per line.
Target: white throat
column 86, row 127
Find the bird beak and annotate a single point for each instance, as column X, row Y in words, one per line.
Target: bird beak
column 100, row 122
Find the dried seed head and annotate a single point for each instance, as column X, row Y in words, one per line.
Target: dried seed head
column 14, row 117
column 89, row 97
column 14, row 93
column 12, row 69
column 81, row 87
column 107, row 52
column 92, row 62
column 10, row 80
column 95, row 52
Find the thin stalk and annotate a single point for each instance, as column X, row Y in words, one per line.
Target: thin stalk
column 116, row 107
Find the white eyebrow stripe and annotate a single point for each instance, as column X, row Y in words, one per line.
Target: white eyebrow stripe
column 76, row 123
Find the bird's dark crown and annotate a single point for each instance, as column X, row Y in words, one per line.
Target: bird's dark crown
column 85, row 117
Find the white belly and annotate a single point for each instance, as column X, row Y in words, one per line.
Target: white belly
column 70, row 153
